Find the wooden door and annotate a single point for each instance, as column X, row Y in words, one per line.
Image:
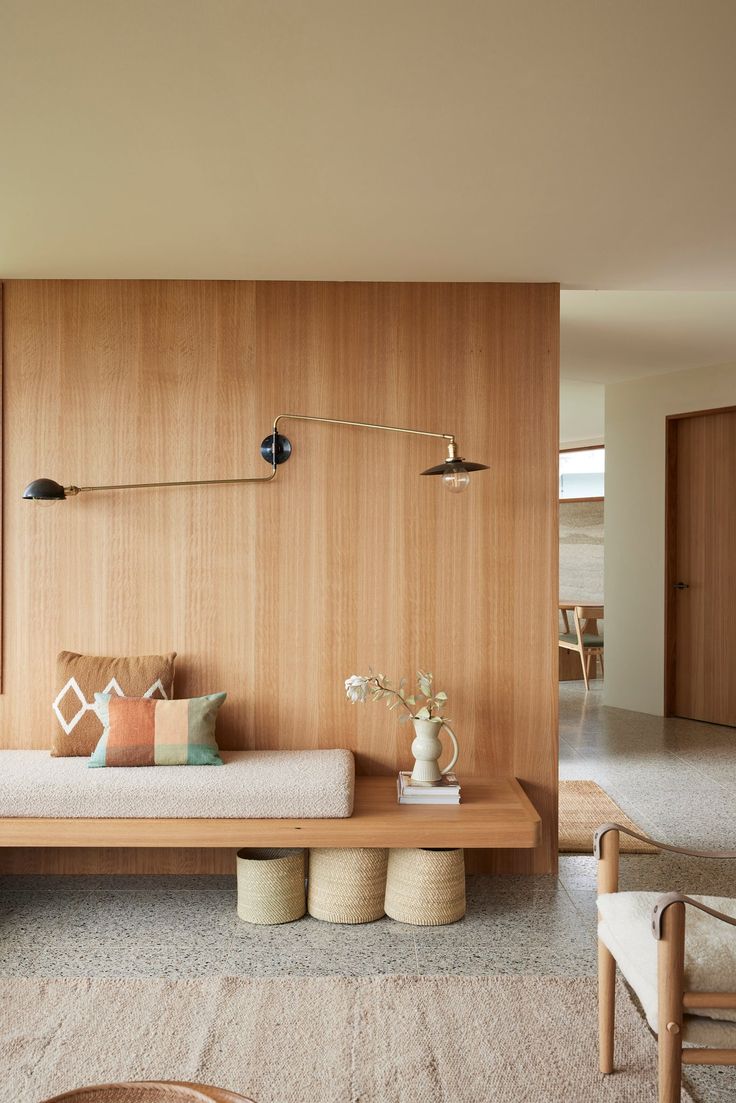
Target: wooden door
column 701, row 562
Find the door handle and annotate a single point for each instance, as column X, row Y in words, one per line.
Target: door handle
column 681, row 586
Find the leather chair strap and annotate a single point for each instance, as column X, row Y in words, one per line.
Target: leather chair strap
column 606, row 827
column 669, row 898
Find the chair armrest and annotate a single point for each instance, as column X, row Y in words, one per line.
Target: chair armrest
column 678, row 898
column 606, row 827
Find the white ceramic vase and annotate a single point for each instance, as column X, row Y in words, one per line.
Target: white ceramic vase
column 427, row 748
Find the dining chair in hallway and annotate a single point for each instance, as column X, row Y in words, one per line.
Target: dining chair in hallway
column 585, row 638
column 684, row 975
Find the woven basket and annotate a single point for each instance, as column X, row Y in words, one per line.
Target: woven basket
column 347, row 885
column 426, row 887
column 149, row 1091
column 271, row 885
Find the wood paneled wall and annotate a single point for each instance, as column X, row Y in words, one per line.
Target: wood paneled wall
column 277, row 592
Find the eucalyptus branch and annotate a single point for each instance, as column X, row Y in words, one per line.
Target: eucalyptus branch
column 359, row 687
column 376, row 681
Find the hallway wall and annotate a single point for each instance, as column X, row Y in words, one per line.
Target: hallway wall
column 635, row 515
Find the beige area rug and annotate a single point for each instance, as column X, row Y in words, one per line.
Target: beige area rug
column 389, row 1039
column 584, row 806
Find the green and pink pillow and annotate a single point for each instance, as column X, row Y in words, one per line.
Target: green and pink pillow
column 148, row 732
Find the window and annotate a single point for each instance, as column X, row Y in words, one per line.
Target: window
column 582, row 474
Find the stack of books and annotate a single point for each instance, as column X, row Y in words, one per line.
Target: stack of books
column 447, row 791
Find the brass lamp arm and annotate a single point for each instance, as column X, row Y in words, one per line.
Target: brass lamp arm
column 275, row 450
column 449, row 437
column 70, row 491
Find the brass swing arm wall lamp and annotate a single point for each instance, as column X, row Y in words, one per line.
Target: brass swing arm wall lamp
column 276, row 449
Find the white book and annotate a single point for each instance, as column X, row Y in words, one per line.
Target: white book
column 429, row 803
column 425, row 794
column 448, row 784
column 451, row 798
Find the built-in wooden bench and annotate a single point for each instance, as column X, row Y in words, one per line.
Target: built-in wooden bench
column 494, row 813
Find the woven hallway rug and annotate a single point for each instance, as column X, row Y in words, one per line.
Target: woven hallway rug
column 381, row 1039
column 584, row 806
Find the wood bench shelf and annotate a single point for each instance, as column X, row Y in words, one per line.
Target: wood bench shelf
column 494, row 813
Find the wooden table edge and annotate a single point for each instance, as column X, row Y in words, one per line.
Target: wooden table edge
column 387, row 825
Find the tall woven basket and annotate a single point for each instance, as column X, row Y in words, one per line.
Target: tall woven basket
column 347, row 885
column 271, row 885
column 426, row 887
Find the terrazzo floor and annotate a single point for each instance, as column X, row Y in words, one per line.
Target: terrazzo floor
column 675, row 778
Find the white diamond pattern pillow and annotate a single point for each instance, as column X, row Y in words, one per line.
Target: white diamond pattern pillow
column 79, row 677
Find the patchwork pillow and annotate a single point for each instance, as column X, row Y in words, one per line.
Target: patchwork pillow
column 145, row 732
column 79, row 677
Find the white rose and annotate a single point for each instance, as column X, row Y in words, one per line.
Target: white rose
column 356, row 688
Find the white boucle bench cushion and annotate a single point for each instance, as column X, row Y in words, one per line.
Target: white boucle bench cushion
column 250, row 785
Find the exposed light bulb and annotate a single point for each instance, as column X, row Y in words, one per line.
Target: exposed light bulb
column 46, row 501
column 456, row 481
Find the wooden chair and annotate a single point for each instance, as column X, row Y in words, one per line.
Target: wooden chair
column 585, row 637
column 686, row 984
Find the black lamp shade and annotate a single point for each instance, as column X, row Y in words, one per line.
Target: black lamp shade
column 44, row 490
column 449, row 466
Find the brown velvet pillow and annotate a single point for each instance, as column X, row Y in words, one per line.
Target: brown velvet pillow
column 79, row 677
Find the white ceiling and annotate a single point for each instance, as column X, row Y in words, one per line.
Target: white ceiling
column 610, row 336
column 590, row 143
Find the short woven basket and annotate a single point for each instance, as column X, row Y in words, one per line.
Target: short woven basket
column 426, row 887
column 271, row 886
column 149, row 1091
column 347, row 885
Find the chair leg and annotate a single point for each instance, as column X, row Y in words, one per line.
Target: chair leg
column 670, row 1066
column 585, row 671
column 606, row 1006
column 670, row 970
